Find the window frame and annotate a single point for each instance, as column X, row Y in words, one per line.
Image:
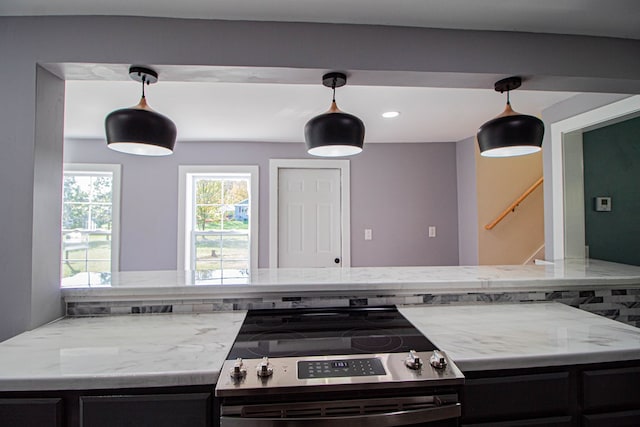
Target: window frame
column 116, row 180
column 185, row 207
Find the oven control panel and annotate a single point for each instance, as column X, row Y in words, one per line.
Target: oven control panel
column 244, row 377
column 334, row 368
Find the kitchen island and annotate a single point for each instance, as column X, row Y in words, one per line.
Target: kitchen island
column 163, row 358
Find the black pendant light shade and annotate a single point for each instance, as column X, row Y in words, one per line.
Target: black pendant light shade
column 334, row 133
column 140, row 130
column 511, row 133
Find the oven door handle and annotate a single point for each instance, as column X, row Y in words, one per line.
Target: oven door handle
column 371, row 420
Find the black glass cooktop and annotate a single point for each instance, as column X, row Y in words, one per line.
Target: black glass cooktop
column 325, row 332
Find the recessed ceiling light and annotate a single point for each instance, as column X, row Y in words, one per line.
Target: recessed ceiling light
column 390, row 114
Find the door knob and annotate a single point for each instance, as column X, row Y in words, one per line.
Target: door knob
column 337, row 260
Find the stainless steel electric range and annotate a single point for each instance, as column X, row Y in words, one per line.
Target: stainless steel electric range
column 366, row 366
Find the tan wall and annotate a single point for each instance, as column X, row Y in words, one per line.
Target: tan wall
column 500, row 181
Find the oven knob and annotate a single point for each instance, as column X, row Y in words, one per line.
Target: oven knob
column 238, row 371
column 437, row 360
column 264, row 368
column 413, row 361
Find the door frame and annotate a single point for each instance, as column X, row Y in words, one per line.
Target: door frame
column 345, row 202
column 561, row 240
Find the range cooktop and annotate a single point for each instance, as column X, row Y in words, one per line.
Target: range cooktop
column 326, row 331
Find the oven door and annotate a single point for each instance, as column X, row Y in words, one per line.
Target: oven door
column 436, row 411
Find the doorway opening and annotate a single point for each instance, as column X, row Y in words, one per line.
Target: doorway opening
column 565, row 235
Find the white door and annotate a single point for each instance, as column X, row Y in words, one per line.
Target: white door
column 309, row 218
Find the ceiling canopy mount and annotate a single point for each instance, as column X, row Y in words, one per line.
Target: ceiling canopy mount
column 143, row 74
column 508, row 84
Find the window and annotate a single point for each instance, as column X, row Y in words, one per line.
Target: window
column 218, row 217
column 90, row 220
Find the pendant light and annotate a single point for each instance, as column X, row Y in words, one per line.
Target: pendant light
column 334, row 133
column 511, row 133
column 139, row 129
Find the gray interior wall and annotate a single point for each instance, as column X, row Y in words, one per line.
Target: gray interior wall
column 46, row 303
column 396, row 189
column 26, row 41
column 17, row 86
column 467, row 201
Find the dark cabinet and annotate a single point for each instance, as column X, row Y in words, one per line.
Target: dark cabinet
column 538, row 422
column 612, row 419
column 516, row 397
column 611, row 389
column 31, row 412
column 166, row 410
column 181, row 406
column 595, row 395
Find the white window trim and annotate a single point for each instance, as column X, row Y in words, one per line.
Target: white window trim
column 345, row 201
column 116, row 171
column 184, row 208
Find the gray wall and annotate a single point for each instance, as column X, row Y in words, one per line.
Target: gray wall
column 474, row 57
column 467, row 201
column 396, row 189
column 47, row 204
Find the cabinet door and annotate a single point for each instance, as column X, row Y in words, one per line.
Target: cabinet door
column 538, row 422
column 613, row 419
column 611, row 389
column 516, row 397
column 162, row 410
column 31, row 412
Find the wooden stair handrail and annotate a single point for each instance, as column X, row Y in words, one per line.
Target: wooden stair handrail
column 512, row 207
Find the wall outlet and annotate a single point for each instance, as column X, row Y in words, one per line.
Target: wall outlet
column 432, row 231
column 367, row 234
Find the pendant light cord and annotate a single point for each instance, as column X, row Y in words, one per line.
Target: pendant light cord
column 144, row 80
column 333, row 87
column 508, row 101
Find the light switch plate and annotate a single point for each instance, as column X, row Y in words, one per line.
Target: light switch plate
column 432, row 231
column 367, row 234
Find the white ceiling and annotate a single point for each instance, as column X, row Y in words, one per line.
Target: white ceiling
column 232, row 109
column 278, row 112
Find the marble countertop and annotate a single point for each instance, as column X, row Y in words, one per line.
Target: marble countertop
column 189, row 349
column 173, row 284
column 119, row 352
column 510, row 336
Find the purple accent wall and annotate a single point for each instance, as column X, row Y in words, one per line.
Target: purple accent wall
column 397, row 190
